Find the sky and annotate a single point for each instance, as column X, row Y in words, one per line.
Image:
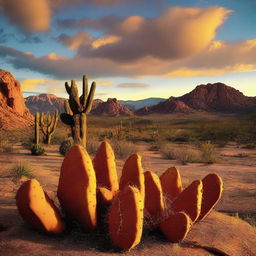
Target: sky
column 133, row 49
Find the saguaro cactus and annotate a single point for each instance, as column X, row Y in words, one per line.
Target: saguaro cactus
column 47, row 123
column 77, row 108
column 37, row 128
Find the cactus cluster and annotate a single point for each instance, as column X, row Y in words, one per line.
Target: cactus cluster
column 87, row 187
column 46, row 123
column 77, row 108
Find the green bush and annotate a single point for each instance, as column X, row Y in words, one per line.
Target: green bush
column 123, row 149
column 65, row 146
column 21, row 169
column 208, row 152
column 37, row 150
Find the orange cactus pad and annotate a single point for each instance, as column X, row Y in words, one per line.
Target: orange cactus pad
column 37, row 209
column 132, row 174
column 77, row 188
column 105, row 167
column 212, row 190
column 126, row 218
column 176, row 227
column 154, row 203
column 104, row 196
column 171, row 184
column 189, row 200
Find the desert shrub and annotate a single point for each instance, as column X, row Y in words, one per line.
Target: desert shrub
column 21, row 169
column 5, row 146
column 156, row 145
column 168, row 151
column 181, row 153
column 182, row 137
column 65, row 146
column 123, row 149
column 37, row 150
column 208, row 152
column 92, row 145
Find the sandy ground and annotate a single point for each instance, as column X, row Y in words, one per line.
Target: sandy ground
column 239, row 177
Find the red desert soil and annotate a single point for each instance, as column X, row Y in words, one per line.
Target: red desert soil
column 218, row 234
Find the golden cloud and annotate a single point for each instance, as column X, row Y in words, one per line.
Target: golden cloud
column 104, row 41
column 103, row 83
column 31, row 84
column 177, row 33
column 35, row 15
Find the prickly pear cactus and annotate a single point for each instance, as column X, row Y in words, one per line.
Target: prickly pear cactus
column 126, row 218
column 154, row 201
column 77, row 188
column 37, row 209
column 105, row 167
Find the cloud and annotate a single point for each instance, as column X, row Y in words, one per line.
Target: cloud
column 104, row 23
column 76, row 41
column 31, row 84
column 177, row 33
column 50, row 85
column 104, row 83
column 133, row 85
column 35, row 16
column 218, row 58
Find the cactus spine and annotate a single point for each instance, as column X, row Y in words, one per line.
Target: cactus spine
column 48, row 124
column 77, row 108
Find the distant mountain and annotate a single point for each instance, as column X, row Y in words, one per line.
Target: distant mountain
column 172, row 105
column 218, row 97
column 137, row 104
column 45, row 103
column 111, row 108
column 13, row 112
column 49, row 103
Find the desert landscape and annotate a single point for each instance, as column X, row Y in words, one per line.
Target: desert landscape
column 196, row 142
column 127, row 127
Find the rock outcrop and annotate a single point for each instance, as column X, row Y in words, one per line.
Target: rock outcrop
column 13, row 111
column 171, row 105
column 218, row 97
column 111, row 108
column 45, row 103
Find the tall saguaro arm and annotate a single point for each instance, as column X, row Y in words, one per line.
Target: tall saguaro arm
column 77, row 108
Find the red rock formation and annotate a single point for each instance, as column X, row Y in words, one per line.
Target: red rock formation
column 45, row 103
column 111, row 108
column 171, row 105
column 218, row 97
column 49, row 103
column 13, row 112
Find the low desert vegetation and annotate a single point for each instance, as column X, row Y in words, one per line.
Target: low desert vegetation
column 5, row 146
column 183, row 154
column 123, row 149
column 21, row 169
column 37, row 150
column 208, row 152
